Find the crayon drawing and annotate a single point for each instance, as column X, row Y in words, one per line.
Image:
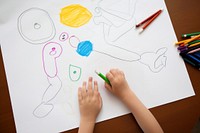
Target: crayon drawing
column 116, row 22
column 75, row 15
column 113, row 19
column 57, row 45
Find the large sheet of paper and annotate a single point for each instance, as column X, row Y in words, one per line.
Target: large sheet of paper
column 50, row 47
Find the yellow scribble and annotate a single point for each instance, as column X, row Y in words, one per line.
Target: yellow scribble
column 75, row 15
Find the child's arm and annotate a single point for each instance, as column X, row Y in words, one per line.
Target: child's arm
column 90, row 104
column 121, row 89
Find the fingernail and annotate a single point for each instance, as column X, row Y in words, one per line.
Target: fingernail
column 90, row 78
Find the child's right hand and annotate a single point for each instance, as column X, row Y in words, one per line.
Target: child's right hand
column 121, row 89
column 119, row 85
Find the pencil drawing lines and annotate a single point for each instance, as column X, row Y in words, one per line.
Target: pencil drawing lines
column 128, row 56
column 45, row 107
column 120, row 8
column 115, row 20
column 74, row 41
column 50, row 53
column 155, row 61
column 36, row 26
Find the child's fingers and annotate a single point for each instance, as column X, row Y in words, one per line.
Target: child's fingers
column 109, row 76
column 100, row 101
column 113, row 71
column 95, row 86
column 84, row 90
column 90, row 91
column 79, row 94
column 108, row 87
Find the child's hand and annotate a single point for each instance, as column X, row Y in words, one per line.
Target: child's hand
column 119, row 85
column 90, row 101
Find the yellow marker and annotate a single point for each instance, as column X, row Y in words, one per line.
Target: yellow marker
column 192, row 45
column 75, row 15
column 180, row 42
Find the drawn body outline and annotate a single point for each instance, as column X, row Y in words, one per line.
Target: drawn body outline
column 50, row 53
column 51, row 73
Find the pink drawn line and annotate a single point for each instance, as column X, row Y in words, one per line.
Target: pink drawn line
column 51, row 51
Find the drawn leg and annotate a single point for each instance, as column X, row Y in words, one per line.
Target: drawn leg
column 50, row 53
column 45, row 107
column 155, row 61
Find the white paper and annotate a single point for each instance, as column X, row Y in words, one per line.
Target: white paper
column 45, row 63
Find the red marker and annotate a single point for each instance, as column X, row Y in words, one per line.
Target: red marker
column 149, row 20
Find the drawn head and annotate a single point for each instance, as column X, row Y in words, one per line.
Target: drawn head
column 52, row 49
column 35, row 26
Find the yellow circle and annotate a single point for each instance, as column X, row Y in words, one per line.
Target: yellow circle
column 75, row 15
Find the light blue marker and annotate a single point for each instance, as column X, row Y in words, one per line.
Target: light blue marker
column 84, row 48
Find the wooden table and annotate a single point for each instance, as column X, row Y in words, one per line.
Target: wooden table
column 176, row 117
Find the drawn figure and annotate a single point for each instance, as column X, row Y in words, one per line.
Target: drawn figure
column 35, row 26
column 155, row 61
column 51, row 51
column 75, row 15
column 74, row 72
column 116, row 17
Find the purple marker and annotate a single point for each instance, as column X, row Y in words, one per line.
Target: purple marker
column 181, row 47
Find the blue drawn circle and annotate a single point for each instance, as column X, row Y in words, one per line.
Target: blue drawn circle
column 84, row 48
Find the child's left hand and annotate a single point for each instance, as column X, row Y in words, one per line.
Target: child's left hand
column 90, row 101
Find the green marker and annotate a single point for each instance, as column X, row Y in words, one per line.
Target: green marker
column 191, row 34
column 103, row 77
column 193, row 42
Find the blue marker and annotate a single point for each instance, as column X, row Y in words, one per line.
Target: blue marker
column 194, row 58
column 191, row 60
column 197, row 55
